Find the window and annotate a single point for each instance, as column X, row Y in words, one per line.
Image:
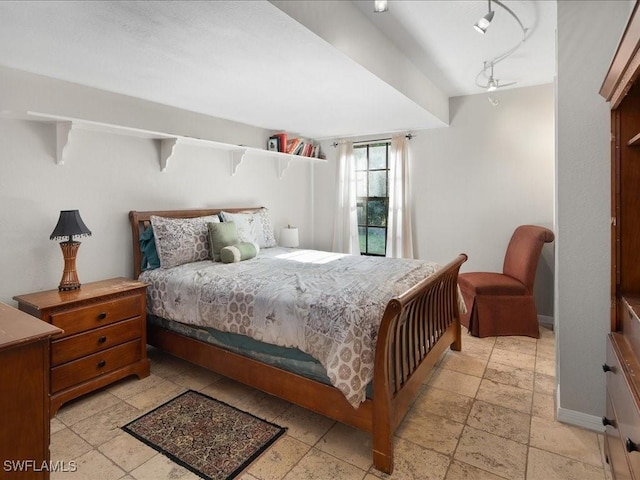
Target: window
column 372, row 176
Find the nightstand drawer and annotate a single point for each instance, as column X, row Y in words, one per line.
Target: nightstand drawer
column 82, row 344
column 97, row 315
column 86, row 368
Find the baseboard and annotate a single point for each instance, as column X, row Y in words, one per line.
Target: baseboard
column 578, row 419
column 546, row 321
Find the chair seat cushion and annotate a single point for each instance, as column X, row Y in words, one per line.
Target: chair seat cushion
column 489, row 283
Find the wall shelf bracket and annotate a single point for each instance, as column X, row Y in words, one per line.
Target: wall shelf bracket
column 283, row 164
column 236, row 157
column 63, row 131
column 167, row 149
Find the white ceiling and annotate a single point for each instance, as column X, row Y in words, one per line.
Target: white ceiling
column 250, row 62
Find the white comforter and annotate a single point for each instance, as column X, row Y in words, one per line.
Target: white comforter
column 327, row 305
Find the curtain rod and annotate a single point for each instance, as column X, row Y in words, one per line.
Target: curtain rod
column 408, row 136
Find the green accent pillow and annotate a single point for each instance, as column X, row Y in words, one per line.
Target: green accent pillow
column 221, row 235
column 239, row 252
column 150, row 259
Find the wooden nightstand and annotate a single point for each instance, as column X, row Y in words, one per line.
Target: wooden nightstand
column 104, row 339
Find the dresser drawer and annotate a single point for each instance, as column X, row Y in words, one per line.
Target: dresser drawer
column 617, row 456
column 82, row 344
column 97, row 314
column 78, row 371
column 623, row 405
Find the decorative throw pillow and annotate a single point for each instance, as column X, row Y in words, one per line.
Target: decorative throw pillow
column 239, row 252
column 253, row 227
column 221, row 235
column 182, row 240
column 150, row 258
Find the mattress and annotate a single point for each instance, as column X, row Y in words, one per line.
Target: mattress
column 325, row 305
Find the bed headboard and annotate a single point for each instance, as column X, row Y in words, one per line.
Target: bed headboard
column 141, row 220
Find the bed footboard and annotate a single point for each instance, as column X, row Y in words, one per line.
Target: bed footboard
column 416, row 329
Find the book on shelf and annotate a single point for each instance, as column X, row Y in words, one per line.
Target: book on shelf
column 306, row 150
column 282, row 141
column 298, row 149
column 293, row 144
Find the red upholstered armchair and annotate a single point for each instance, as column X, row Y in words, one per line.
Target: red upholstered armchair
column 503, row 303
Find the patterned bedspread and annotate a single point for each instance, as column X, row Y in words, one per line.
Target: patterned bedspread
column 327, row 305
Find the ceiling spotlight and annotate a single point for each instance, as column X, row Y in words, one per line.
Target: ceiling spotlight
column 482, row 24
column 492, row 86
column 380, row 6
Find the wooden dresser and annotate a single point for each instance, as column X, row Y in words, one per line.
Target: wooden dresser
column 622, row 367
column 24, row 402
column 104, row 336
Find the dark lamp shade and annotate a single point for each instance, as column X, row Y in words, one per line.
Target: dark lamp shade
column 69, row 224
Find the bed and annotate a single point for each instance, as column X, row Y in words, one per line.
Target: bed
column 415, row 327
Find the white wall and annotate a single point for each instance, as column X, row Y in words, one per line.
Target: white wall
column 475, row 182
column 583, row 203
column 106, row 175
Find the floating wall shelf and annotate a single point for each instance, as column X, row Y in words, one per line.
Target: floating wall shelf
column 169, row 143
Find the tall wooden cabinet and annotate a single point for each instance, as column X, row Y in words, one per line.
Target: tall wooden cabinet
column 24, row 394
column 622, row 366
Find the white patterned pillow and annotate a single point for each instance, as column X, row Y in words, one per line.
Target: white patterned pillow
column 254, row 227
column 182, row 240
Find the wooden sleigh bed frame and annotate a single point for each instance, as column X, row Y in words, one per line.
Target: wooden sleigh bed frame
column 416, row 329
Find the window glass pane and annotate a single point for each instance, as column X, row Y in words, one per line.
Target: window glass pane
column 378, row 156
column 377, row 212
column 378, row 183
column 362, row 232
column 377, row 240
column 360, row 157
column 361, row 207
column 361, row 184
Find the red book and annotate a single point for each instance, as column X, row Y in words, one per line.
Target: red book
column 282, row 144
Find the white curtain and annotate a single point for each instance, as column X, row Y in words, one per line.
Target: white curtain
column 345, row 231
column 399, row 234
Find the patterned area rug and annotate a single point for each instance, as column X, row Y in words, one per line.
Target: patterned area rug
column 210, row 438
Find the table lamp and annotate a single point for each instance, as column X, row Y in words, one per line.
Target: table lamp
column 289, row 237
column 69, row 225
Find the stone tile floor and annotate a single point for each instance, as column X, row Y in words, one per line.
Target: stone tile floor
column 485, row 413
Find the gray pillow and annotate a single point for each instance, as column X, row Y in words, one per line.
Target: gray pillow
column 181, row 240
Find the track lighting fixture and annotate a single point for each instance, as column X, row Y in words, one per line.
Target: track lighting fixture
column 490, row 83
column 482, row 24
column 380, row 6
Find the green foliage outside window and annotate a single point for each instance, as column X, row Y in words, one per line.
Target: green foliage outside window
column 372, row 180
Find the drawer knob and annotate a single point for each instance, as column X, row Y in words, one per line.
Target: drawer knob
column 102, row 339
column 606, row 368
column 102, row 315
column 606, row 421
column 630, row 445
column 102, row 363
